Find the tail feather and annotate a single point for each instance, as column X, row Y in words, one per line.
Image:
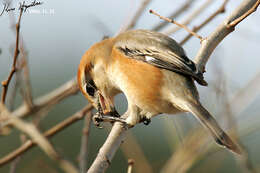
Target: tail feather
column 211, row 124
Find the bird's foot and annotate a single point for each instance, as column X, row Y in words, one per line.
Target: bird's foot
column 98, row 118
column 146, row 121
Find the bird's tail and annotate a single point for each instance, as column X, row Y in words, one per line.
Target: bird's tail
column 211, row 124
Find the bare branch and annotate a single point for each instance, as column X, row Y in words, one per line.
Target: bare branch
column 5, row 83
column 174, row 15
column 178, row 24
column 45, row 102
column 210, row 18
column 83, row 155
column 189, row 18
column 38, row 138
column 238, row 20
column 49, row 133
column 109, row 148
column 210, row 43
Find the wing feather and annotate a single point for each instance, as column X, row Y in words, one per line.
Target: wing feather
column 159, row 50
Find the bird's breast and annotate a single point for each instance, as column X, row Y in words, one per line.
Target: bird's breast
column 142, row 83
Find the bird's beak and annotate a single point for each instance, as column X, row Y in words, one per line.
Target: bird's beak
column 107, row 105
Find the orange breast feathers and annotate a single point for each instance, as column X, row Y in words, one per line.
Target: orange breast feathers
column 139, row 81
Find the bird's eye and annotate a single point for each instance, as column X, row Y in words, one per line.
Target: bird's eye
column 91, row 88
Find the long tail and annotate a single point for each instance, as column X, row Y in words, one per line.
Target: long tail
column 211, row 124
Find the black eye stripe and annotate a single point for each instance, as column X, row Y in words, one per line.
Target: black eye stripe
column 91, row 88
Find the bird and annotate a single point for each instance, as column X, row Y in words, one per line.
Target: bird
column 153, row 72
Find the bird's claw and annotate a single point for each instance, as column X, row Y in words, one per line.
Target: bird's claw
column 146, row 121
column 98, row 118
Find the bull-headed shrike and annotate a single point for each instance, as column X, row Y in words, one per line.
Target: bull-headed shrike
column 153, row 72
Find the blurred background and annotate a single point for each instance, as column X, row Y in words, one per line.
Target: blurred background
column 57, row 33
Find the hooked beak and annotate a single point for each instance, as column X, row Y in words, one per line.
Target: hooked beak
column 106, row 106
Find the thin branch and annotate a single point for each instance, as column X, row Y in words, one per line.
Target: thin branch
column 220, row 10
column 5, row 83
column 130, row 165
column 38, row 138
column 49, row 133
column 136, row 16
column 209, row 44
column 189, row 18
column 174, row 15
column 83, row 155
column 45, row 102
column 107, row 151
column 238, row 20
column 178, row 24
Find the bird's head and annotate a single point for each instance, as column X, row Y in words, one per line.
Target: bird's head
column 93, row 79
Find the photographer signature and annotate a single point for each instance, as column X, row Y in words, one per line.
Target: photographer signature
column 22, row 6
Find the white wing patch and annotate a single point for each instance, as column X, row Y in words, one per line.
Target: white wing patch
column 149, row 58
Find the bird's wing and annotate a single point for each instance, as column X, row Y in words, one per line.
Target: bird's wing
column 158, row 50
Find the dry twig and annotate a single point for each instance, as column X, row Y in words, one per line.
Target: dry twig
column 174, row 15
column 209, row 44
column 49, row 133
column 38, row 138
column 44, row 102
column 238, row 20
column 189, row 18
column 178, row 24
column 210, row 18
column 5, row 83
